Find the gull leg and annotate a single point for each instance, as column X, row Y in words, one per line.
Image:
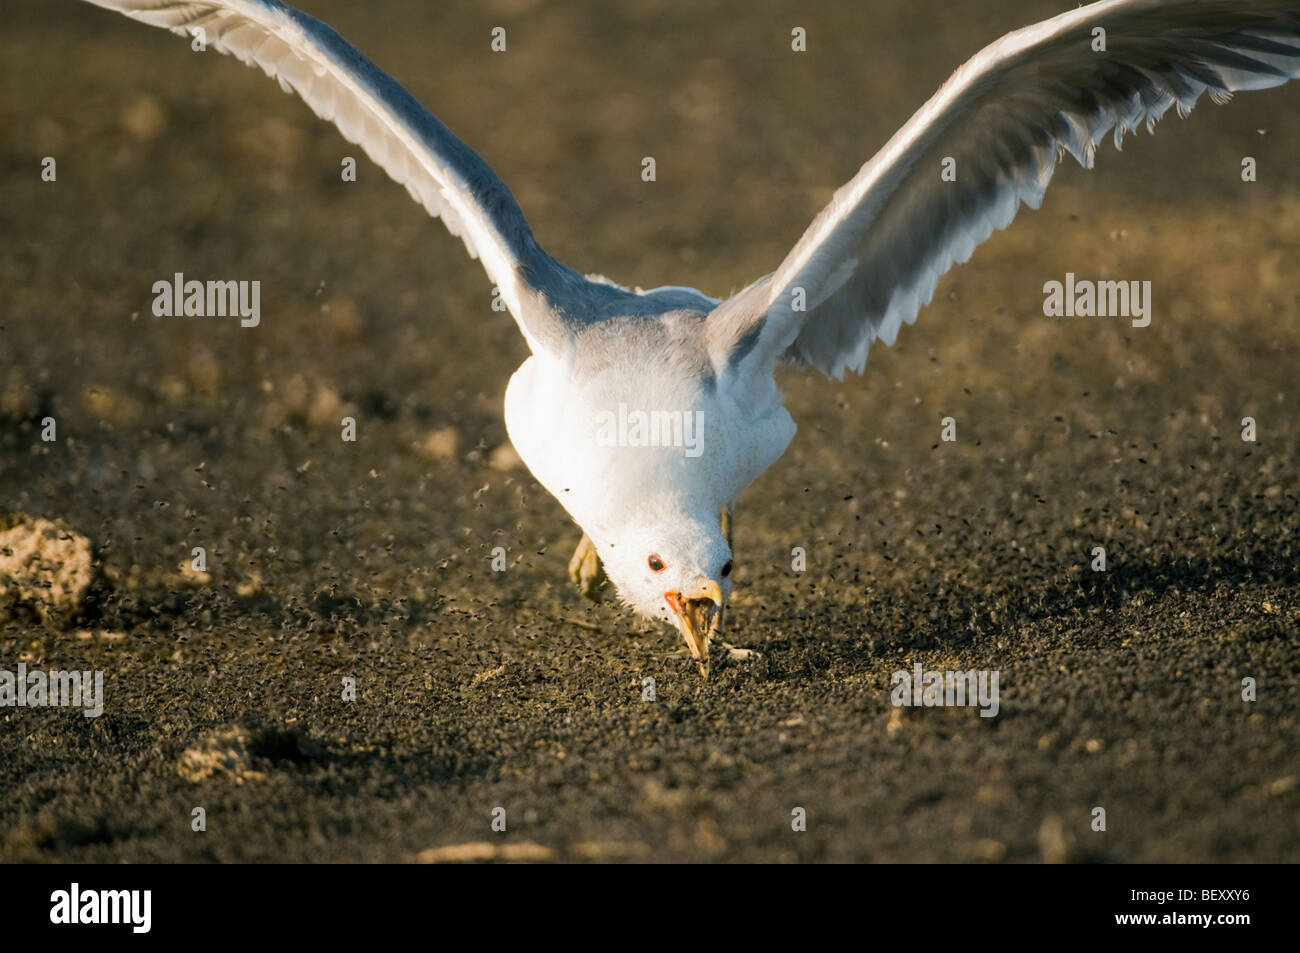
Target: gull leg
column 585, row 568
column 736, row 653
column 725, row 519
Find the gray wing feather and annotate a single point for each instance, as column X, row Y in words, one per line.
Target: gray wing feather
column 870, row 261
column 548, row 299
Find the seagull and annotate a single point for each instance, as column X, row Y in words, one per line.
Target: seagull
column 646, row 413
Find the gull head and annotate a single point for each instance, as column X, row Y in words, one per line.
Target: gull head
column 676, row 569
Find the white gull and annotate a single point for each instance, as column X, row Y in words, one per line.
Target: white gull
column 658, row 517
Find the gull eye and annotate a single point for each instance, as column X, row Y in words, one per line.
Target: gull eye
column 655, row 563
column 726, row 570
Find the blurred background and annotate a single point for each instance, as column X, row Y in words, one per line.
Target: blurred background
column 371, row 559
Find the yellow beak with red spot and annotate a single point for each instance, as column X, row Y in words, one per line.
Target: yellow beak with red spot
column 697, row 611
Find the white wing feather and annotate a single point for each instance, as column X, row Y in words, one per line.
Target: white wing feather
column 870, row 261
column 548, row 299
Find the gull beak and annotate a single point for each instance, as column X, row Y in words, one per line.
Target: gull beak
column 697, row 611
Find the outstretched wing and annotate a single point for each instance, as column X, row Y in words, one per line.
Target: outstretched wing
column 871, row 259
column 443, row 174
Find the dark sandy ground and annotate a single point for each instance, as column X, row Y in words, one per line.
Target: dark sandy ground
column 479, row 689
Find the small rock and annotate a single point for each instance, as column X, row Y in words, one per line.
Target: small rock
column 1052, row 841
column 326, row 409
column 895, row 723
column 223, row 754
column 1281, row 785
column 144, row 118
column 344, row 319
column 441, row 444
column 483, row 850
column 45, row 567
column 990, row 850
column 482, row 677
column 504, row 457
